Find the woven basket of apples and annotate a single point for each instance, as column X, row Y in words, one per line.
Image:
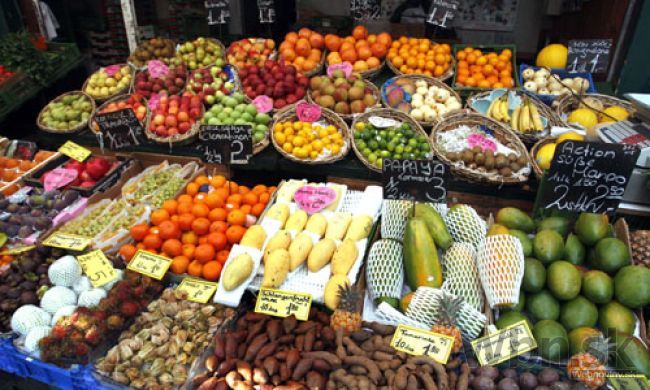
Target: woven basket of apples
column 282, row 83
column 174, row 119
column 134, row 101
column 213, row 81
column 173, row 82
column 251, row 51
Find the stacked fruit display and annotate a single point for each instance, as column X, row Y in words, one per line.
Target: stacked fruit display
column 592, row 111
column 200, row 53
column 12, row 168
column 174, row 116
column 5, row 74
column 172, row 83
column 66, row 112
column 280, row 82
column 341, row 94
column 303, row 50
column 208, row 81
column 250, row 51
column 109, row 81
column 476, row 69
column 157, row 183
column 543, row 82
column 153, row 49
column 424, row 102
column 524, row 118
column 420, row 56
column 232, row 110
column 309, row 141
column 364, row 51
column 89, row 172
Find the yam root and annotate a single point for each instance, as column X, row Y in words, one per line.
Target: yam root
column 380, row 329
column 426, row 379
column 329, row 357
column 463, row 378
column 373, row 371
column 301, row 369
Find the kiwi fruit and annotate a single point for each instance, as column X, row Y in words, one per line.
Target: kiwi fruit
column 506, row 171
column 453, row 156
column 468, row 156
column 479, row 158
column 489, row 162
column 500, row 161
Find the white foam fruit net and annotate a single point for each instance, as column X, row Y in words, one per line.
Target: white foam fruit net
column 394, row 214
column 425, row 308
column 500, row 262
column 461, row 274
column 385, row 272
column 465, row 225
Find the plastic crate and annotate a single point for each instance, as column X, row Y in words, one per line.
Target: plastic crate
column 548, row 99
column 466, row 91
column 15, row 89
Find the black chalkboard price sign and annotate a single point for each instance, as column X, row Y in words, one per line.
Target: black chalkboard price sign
column 225, row 144
column 266, row 11
column 365, row 9
column 218, row 11
column 418, row 180
column 120, row 129
column 589, row 55
column 587, row 177
column 442, row 12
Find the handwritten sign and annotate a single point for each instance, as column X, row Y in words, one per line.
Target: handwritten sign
column 421, row 180
column 587, row 177
column 263, row 104
column 218, row 11
column 589, row 55
column 59, row 177
column 280, row 303
column 71, row 242
column 120, row 129
column 628, row 382
column 157, row 69
column 17, row 250
column 419, row 342
column 97, row 268
column 442, row 11
column 505, row 344
column 225, row 144
column 365, row 9
column 346, row 67
column 148, row 264
column 307, row 112
column 74, row 151
column 266, row 11
column 314, row 199
column 197, row 290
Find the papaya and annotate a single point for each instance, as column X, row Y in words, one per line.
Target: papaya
column 513, row 218
column 421, row 263
column 435, row 224
column 591, row 228
column 559, row 224
column 630, row 354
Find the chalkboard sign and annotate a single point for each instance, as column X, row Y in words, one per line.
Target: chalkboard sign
column 587, row 177
column 365, row 9
column 218, row 11
column 589, row 55
column 120, row 129
column 225, row 144
column 442, row 12
column 266, row 11
column 421, row 180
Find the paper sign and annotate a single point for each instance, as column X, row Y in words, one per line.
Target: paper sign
column 71, row 242
column 280, row 303
column 505, row 344
column 59, row 177
column 628, row 382
column 419, row 342
column 74, row 151
column 307, row 112
column 17, row 250
column 346, row 67
column 421, row 180
column 263, row 104
column 314, row 199
column 148, row 264
column 157, row 69
column 218, row 11
column 112, row 69
column 266, row 10
column 97, row 268
column 197, row 290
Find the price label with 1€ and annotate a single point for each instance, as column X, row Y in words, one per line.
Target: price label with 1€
column 71, row 242
column 74, row 151
column 419, row 342
column 505, row 344
column 148, row 264
column 281, row 303
column 97, row 267
column 197, row 290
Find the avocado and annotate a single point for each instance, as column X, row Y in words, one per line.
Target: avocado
column 574, row 251
column 578, row 312
column 563, row 280
column 513, row 218
column 552, row 340
column 548, row 246
column 591, row 228
column 632, row 286
column 559, row 224
column 610, row 255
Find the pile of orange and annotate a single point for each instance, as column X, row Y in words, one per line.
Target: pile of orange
column 197, row 229
column 303, row 49
column 484, row 70
column 364, row 51
column 420, row 56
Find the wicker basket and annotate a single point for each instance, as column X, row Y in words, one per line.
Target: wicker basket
column 272, row 56
column 120, row 92
column 258, row 147
column 502, row 133
column 544, row 110
column 178, row 139
column 181, row 89
column 539, row 172
column 350, row 117
column 289, row 114
column 444, row 77
column 235, row 79
column 431, row 82
column 218, row 42
column 92, row 125
column 75, row 129
column 569, row 102
column 384, row 113
column 164, row 59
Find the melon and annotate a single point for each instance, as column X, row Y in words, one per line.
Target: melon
column 614, row 114
column 584, row 117
column 553, row 56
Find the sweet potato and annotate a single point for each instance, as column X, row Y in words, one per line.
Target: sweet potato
column 300, row 342
column 274, row 329
column 267, row 350
column 293, row 356
column 303, row 366
column 219, row 347
column 255, row 346
column 289, row 324
column 310, row 337
column 271, row 365
column 315, row 380
column 225, row 367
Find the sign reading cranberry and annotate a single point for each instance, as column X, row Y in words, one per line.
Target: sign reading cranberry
column 314, row 199
column 307, row 112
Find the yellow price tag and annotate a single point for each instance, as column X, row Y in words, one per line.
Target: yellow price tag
column 97, row 267
column 17, row 250
column 505, row 344
column 197, row 290
column 281, row 303
column 147, row 263
column 71, row 242
column 628, row 382
column 419, row 342
column 74, row 151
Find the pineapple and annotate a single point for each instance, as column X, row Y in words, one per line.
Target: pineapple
column 347, row 315
column 588, row 367
column 449, row 306
column 640, row 242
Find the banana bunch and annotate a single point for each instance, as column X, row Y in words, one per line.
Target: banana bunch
column 526, row 118
column 499, row 109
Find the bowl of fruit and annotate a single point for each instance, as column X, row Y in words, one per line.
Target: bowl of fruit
column 200, row 53
column 207, row 81
column 174, row 119
column 109, row 81
column 251, row 51
column 134, row 101
column 424, row 98
column 305, row 50
column 322, row 141
column 170, row 79
column 386, row 133
column 67, row 113
column 347, row 96
column 153, row 49
column 421, row 56
column 283, row 84
column 590, row 109
column 484, row 67
column 366, row 52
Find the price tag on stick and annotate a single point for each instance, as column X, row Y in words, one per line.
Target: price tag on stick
column 416, row 180
column 442, row 12
column 225, row 144
column 148, row 264
column 589, row 55
column 218, row 11
column 266, row 11
column 197, row 290
column 419, row 342
column 120, row 129
column 280, row 303
column 504, row 345
column 97, row 267
column 75, row 151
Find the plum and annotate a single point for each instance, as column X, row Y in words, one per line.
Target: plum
column 483, row 383
column 528, row 381
column 507, row 384
column 547, row 376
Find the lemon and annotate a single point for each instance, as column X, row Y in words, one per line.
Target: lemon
column 553, row 56
column 307, row 148
column 326, row 141
column 584, row 117
column 317, row 145
column 322, row 133
column 359, row 126
column 300, row 153
column 280, row 138
column 545, row 156
column 313, row 154
column 297, row 125
column 277, row 126
column 569, row 136
column 331, row 129
column 335, row 149
column 289, row 131
column 617, row 112
column 287, row 147
column 298, row 141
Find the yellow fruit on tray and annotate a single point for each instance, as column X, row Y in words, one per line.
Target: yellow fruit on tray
column 614, row 114
column 553, row 56
column 584, row 117
column 569, row 136
column 545, row 156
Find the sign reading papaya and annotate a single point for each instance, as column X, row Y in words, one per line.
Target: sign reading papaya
column 71, row 242
column 74, row 151
column 197, row 290
column 148, row 264
column 281, row 303
column 97, row 267
column 420, row 180
column 419, row 342
column 504, row 345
